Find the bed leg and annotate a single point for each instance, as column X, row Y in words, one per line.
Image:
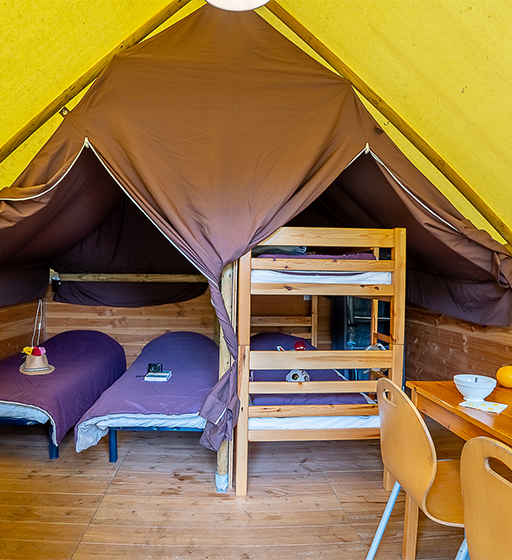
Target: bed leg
column 222, row 474
column 112, row 445
column 53, row 450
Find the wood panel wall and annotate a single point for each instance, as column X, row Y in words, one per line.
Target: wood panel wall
column 295, row 306
column 16, row 327
column 133, row 327
column 438, row 347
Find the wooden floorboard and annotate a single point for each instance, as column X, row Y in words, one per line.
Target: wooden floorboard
column 314, row 501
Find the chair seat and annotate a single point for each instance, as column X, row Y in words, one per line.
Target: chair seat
column 444, row 499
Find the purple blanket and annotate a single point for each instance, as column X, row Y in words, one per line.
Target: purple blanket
column 270, row 341
column 334, row 258
column 86, row 363
column 194, row 362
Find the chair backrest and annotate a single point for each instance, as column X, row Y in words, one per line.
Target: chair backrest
column 408, row 451
column 487, row 498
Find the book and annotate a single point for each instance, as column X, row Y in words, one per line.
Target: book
column 158, row 376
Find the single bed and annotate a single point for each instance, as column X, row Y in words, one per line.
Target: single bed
column 340, row 261
column 86, row 363
column 134, row 404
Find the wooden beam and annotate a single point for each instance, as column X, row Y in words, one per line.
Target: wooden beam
column 74, row 89
column 100, row 277
column 364, row 89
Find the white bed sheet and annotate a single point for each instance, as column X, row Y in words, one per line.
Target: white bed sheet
column 314, row 423
column 306, row 277
column 91, row 431
column 27, row 412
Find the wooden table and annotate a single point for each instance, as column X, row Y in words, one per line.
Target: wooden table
column 440, row 401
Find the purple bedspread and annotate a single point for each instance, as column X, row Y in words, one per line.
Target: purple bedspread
column 349, row 257
column 270, row 341
column 194, row 362
column 86, row 363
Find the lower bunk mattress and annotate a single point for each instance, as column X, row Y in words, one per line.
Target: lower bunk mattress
column 132, row 402
column 288, row 343
column 86, row 363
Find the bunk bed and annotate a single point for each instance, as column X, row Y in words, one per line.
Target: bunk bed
column 135, row 404
column 83, row 364
column 346, row 262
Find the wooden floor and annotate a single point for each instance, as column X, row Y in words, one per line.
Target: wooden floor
column 306, row 501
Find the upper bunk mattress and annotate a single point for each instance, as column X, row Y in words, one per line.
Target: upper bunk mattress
column 321, row 277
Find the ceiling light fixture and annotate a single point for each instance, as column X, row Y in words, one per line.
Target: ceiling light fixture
column 237, row 5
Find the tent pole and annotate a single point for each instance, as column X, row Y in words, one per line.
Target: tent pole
column 74, row 89
column 364, row 89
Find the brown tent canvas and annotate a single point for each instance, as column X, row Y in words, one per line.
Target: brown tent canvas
column 219, row 131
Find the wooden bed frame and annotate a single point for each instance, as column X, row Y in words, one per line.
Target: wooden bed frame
column 354, row 240
column 301, row 326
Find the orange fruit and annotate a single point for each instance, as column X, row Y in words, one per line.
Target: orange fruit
column 504, row 376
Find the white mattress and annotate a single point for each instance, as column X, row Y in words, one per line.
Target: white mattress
column 306, row 277
column 314, row 423
column 90, row 432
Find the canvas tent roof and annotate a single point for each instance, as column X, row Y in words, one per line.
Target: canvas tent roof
column 220, row 131
column 444, row 67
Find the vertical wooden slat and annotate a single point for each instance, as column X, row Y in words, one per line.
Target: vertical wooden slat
column 244, row 334
column 397, row 322
column 314, row 320
column 374, row 321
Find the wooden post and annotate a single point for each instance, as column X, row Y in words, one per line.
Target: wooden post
column 224, row 455
column 244, row 335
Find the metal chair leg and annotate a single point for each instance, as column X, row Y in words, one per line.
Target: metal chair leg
column 463, row 553
column 383, row 522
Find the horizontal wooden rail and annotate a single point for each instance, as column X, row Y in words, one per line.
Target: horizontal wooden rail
column 373, row 291
column 310, row 387
column 332, row 237
column 314, row 435
column 100, row 277
column 284, row 411
column 281, row 321
column 321, row 359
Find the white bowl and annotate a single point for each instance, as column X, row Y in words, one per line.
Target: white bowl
column 474, row 388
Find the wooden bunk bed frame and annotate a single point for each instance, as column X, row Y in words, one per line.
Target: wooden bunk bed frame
column 390, row 359
column 301, row 326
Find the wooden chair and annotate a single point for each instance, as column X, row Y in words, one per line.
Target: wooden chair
column 487, row 498
column 409, row 455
